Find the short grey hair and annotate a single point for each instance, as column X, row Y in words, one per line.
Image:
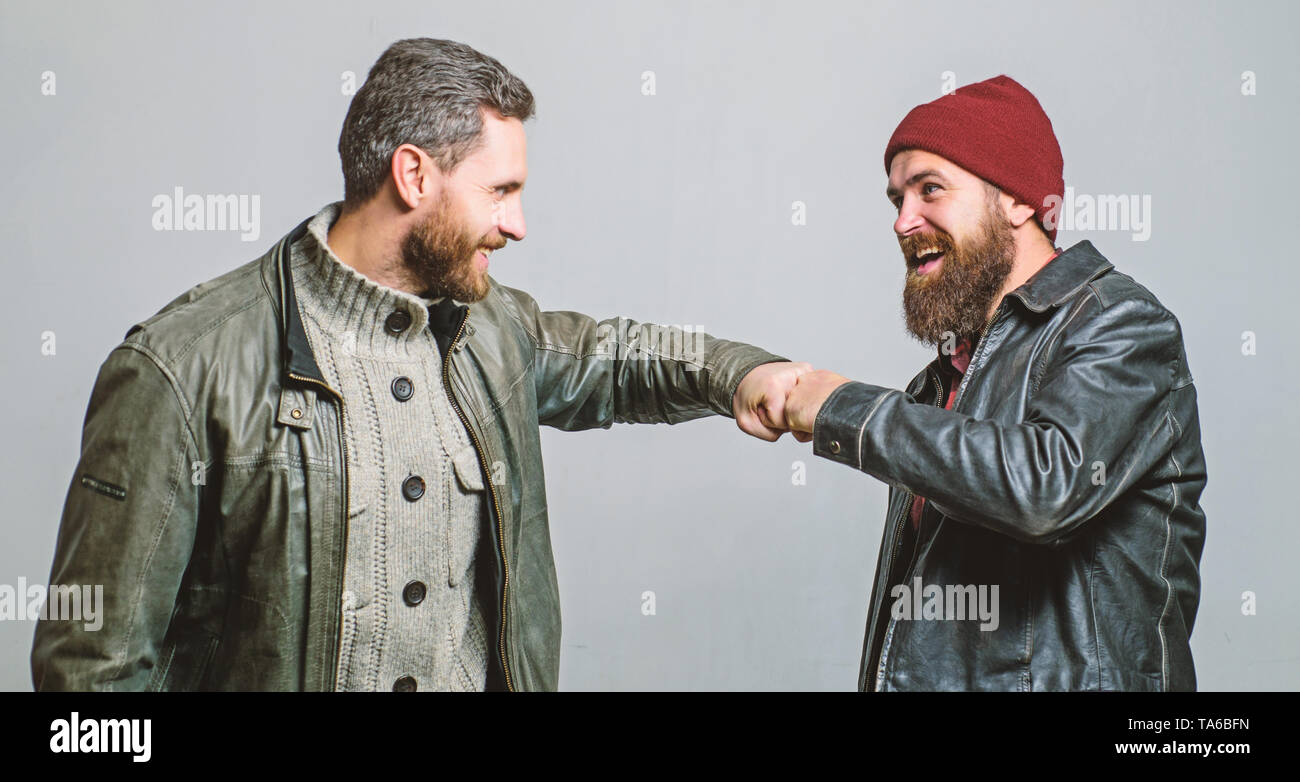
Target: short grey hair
column 427, row 92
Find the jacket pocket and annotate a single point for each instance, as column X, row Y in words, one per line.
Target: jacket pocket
column 469, row 473
column 184, row 664
column 159, row 678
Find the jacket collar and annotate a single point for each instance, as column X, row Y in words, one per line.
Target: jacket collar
column 298, row 361
column 1051, row 286
column 1062, row 277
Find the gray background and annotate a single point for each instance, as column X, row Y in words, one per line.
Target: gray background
column 676, row 208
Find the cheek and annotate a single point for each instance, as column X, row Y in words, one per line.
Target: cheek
column 957, row 227
column 938, row 219
column 486, row 217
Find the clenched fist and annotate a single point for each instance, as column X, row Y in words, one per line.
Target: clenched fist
column 759, row 404
column 805, row 401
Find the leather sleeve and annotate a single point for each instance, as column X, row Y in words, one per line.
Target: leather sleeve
column 1095, row 425
column 593, row 374
column 128, row 526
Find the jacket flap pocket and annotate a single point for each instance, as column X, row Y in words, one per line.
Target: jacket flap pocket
column 468, row 471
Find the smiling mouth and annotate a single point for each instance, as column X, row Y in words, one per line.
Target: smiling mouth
column 928, row 260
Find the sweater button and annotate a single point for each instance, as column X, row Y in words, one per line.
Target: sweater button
column 413, row 488
column 403, row 388
column 404, row 684
column 397, row 321
column 414, row 593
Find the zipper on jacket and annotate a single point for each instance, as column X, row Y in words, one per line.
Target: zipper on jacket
column 873, row 666
column 979, row 345
column 501, row 535
column 343, row 449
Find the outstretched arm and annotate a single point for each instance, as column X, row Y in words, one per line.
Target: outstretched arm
column 1102, row 400
column 593, row 373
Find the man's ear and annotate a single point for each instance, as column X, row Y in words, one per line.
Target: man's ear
column 1017, row 211
column 415, row 175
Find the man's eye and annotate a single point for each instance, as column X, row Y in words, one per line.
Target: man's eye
column 924, row 191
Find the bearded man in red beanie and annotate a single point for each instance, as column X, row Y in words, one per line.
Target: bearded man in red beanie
column 1044, row 530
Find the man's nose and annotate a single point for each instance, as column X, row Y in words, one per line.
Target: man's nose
column 512, row 223
column 909, row 219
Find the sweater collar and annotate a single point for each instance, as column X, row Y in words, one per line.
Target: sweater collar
column 363, row 316
column 298, row 362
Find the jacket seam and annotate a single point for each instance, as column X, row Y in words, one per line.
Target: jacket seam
column 508, row 392
column 1029, row 632
column 511, row 307
column 284, row 620
column 168, row 506
column 643, row 354
column 862, row 430
column 237, row 309
column 1092, row 612
column 538, row 344
column 1164, row 572
column 1049, row 352
column 186, row 411
column 161, row 676
column 709, row 366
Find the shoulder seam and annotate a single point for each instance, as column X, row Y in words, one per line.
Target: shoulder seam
column 186, row 409
column 511, row 307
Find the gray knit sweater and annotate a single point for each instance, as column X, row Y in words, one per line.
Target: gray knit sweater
column 412, row 615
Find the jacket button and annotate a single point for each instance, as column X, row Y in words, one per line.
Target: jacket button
column 403, row 388
column 404, row 684
column 413, row 593
column 834, row 446
column 397, row 321
column 413, row 488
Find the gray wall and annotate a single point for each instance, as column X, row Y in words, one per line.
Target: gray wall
column 676, row 207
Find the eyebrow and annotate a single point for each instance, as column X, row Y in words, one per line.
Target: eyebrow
column 891, row 193
column 511, row 185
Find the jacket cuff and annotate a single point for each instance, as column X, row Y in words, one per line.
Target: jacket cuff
column 722, row 402
column 844, row 416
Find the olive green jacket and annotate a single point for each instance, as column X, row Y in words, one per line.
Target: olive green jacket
column 210, row 499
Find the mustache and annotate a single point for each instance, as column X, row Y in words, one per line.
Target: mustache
column 496, row 243
column 913, row 243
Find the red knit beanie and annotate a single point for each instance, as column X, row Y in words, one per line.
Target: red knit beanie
column 996, row 130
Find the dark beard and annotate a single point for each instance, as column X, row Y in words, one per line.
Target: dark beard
column 440, row 256
column 957, row 300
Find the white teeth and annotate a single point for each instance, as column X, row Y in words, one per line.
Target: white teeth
column 927, row 251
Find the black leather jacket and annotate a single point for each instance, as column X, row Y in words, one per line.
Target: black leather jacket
column 1067, row 474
